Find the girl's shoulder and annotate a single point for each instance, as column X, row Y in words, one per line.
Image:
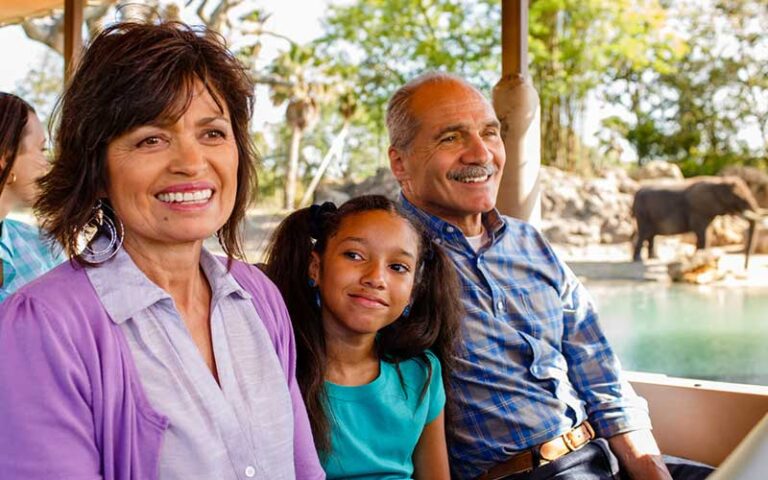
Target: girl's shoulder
column 423, row 360
column 417, row 369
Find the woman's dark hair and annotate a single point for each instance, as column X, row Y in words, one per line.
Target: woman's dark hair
column 131, row 75
column 433, row 321
column 14, row 114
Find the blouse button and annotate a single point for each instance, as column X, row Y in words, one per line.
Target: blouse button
column 250, row 472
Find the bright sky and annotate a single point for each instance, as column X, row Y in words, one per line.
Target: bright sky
column 20, row 54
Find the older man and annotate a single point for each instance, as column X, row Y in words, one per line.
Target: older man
column 539, row 393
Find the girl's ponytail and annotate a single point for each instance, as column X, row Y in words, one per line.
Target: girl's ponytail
column 287, row 264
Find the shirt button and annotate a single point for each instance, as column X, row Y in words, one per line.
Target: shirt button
column 500, row 305
column 449, row 229
column 250, row 472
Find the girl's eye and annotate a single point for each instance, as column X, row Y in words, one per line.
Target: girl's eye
column 400, row 268
column 353, row 255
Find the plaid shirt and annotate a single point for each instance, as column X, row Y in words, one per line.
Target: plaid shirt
column 24, row 254
column 534, row 362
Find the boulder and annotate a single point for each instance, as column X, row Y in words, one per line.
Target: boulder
column 700, row 268
column 657, row 169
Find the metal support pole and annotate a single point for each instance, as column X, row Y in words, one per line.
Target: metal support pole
column 73, row 35
column 517, row 105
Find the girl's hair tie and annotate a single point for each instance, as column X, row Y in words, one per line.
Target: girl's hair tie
column 318, row 215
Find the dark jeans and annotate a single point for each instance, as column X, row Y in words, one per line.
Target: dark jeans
column 595, row 461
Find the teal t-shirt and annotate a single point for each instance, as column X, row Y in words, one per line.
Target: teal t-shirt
column 375, row 427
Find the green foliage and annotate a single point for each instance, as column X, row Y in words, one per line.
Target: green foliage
column 377, row 45
column 693, row 114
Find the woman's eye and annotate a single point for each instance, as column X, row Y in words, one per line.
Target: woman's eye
column 150, row 142
column 215, row 134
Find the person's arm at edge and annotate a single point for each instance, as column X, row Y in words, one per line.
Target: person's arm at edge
column 430, row 458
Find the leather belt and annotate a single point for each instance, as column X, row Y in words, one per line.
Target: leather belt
column 542, row 454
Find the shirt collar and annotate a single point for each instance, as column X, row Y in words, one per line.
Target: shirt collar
column 125, row 291
column 447, row 232
column 6, row 243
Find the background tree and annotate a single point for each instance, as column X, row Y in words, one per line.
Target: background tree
column 696, row 112
column 300, row 91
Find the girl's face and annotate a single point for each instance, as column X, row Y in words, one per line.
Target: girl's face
column 366, row 273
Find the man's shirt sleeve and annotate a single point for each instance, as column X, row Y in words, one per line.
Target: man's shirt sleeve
column 593, row 368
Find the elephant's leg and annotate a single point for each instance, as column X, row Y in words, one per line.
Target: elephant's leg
column 651, row 247
column 700, row 226
column 636, row 254
column 642, row 235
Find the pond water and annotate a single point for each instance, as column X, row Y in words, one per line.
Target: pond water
column 701, row 332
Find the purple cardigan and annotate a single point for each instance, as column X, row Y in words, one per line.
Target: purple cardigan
column 71, row 401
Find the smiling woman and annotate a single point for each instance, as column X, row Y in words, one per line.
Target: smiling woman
column 151, row 357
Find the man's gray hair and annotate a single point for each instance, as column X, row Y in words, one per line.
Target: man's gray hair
column 401, row 123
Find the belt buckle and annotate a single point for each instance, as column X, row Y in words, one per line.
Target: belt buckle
column 575, row 439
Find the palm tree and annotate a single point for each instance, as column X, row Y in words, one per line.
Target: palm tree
column 300, row 92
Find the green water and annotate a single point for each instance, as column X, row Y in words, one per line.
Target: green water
column 709, row 333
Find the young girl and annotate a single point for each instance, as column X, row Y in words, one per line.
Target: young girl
column 368, row 294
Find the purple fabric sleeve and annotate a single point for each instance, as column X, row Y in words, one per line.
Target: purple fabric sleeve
column 45, row 397
column 271, row 308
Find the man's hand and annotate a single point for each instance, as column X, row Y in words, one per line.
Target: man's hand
column 639, row 455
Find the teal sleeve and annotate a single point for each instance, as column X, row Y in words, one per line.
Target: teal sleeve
column 436, row 390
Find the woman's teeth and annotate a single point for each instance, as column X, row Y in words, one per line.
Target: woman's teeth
column 197, row 196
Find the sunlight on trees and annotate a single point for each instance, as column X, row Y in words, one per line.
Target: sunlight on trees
column 686, row 81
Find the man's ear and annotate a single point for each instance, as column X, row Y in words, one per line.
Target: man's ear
column 314, row 267
column 397, row 164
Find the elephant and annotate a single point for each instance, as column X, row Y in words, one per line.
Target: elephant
column 687, row 207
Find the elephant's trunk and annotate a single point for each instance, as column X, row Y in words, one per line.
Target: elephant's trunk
column 754, row 218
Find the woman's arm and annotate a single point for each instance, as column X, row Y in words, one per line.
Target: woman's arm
column 45, row 398
column 430, row 458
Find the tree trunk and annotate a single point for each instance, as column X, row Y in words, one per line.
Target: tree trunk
column 337, row 146
column 293, row 169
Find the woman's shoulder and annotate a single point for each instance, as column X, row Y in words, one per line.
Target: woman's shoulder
column 59, row 307
column 65, row 291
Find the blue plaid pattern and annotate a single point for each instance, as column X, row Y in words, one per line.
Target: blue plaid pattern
column 24, row 254
column 534, row 362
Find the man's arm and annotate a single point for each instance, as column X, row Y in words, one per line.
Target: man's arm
column 639, row 455
column 614, row 408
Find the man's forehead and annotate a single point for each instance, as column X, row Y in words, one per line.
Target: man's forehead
column 450, row 101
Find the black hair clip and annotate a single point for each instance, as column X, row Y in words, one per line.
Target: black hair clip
column 317, row 218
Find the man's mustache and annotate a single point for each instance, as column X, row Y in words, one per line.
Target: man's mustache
column 473, row 171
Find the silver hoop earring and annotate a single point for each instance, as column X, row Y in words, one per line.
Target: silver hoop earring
column 104, row 226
